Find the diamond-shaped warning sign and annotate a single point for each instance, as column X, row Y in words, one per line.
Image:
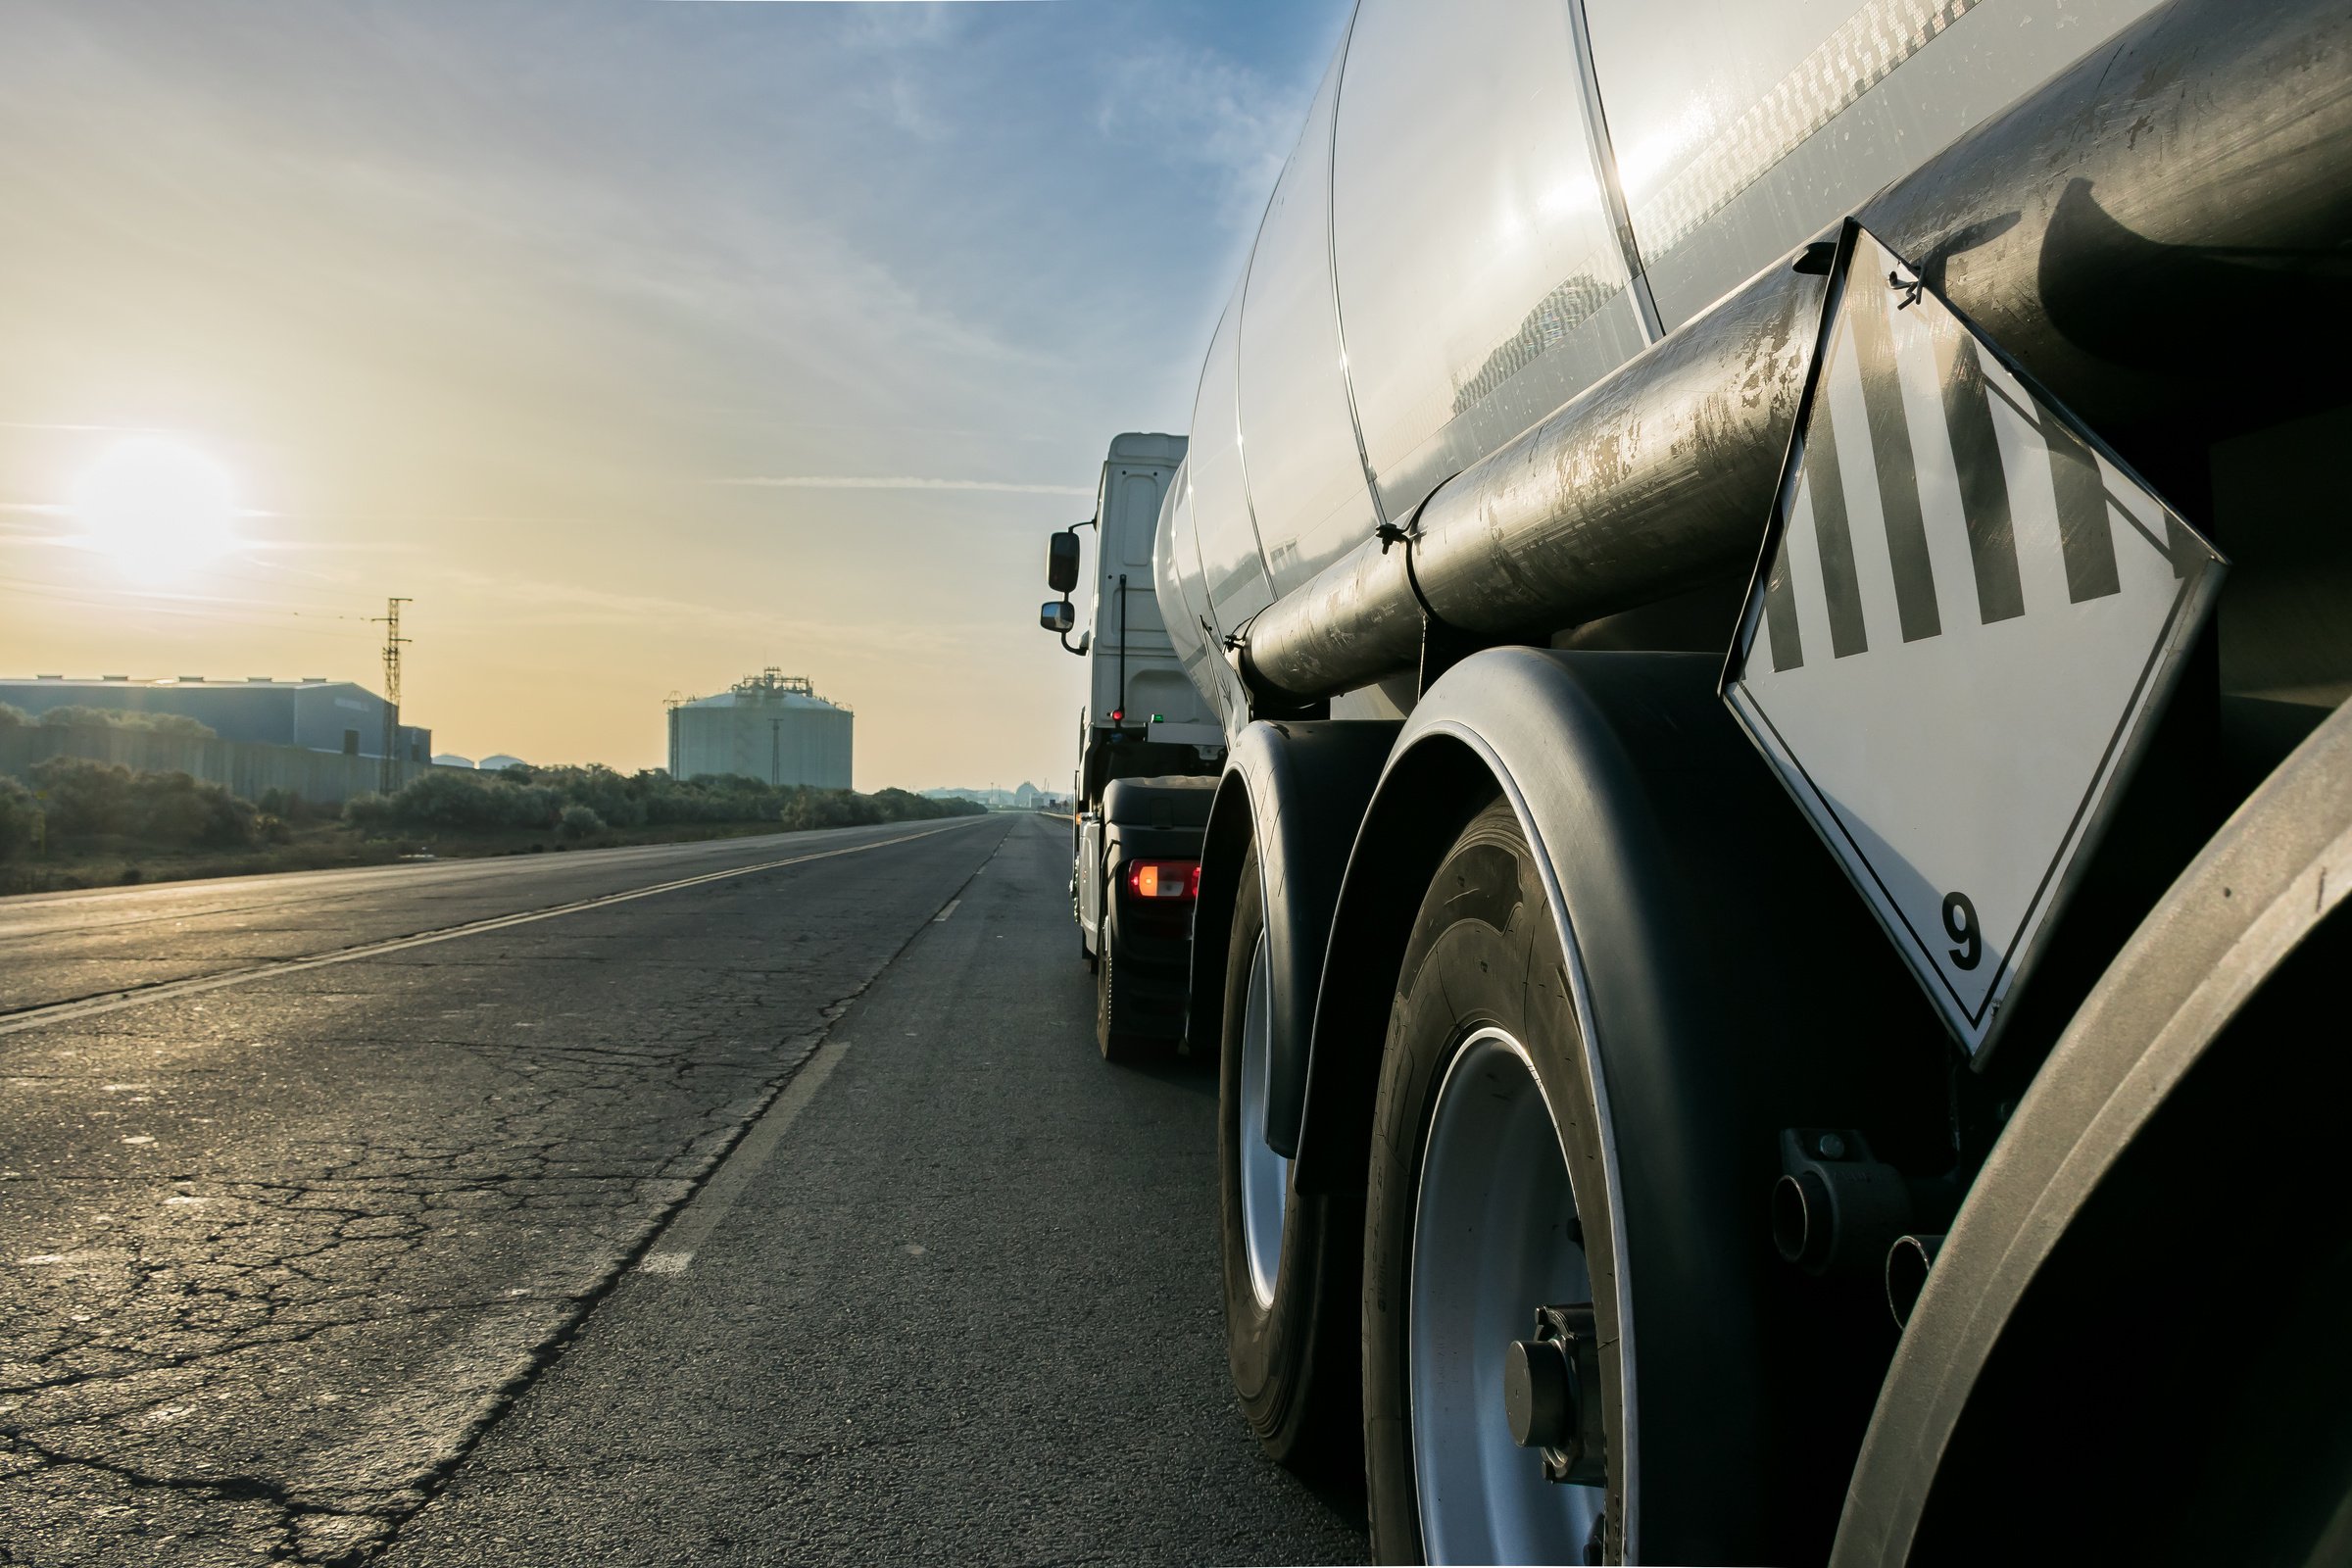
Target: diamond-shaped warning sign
column 1967, row 616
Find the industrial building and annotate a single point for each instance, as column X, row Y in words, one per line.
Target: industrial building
column 316, row 714
column 770, row 726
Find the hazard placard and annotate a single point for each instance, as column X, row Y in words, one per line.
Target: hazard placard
column 1967, row 616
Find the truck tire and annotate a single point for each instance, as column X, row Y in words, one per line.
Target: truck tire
column 1483, row 1203
column 1118, row 1046
column 1292, row 1261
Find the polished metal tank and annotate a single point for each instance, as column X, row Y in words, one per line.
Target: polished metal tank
column 1524, row 285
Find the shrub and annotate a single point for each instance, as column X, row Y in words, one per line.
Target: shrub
column 174, row 809
column 368, row 812
column 541, row 797
column 20, row 818
column 445, row 802
column 170, row 809
column 82, row 796
column 287, row 805
column 12, row 715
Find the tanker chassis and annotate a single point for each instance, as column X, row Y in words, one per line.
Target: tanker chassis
column 1777, row 586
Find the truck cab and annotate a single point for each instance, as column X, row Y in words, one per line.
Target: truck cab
column 1149, row 754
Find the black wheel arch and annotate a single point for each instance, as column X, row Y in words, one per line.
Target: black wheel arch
column 1297, row 790
column 1729, row 983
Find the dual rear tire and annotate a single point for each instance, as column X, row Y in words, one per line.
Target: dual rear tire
column 1119, row 1045
column 1373, row 1327
column 1487, row 1201
column 1293, row 1265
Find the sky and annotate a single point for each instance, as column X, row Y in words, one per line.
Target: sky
column 641, row 343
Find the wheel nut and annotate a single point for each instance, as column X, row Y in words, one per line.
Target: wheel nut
column 1539, row 1395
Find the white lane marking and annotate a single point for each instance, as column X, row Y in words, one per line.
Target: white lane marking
column 687, row 1233
column 944, row 913
column 64, row 1011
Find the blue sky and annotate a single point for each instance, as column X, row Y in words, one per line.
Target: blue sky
column 524, row 310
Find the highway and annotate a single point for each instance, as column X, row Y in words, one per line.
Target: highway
column 753, row 1200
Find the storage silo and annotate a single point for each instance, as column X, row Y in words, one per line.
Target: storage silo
column 771, row 726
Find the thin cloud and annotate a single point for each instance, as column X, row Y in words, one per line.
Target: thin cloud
column 841, row 481
column 1191, row 104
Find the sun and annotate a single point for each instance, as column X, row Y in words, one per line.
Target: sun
column 160, row 508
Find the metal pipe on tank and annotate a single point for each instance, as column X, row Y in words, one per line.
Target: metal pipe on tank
column 2159, row 235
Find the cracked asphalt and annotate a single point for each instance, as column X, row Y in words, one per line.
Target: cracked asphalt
column 364, row 1260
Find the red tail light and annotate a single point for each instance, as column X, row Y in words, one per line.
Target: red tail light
column 1163, row 879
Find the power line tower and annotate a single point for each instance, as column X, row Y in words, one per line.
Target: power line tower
column 393, row 642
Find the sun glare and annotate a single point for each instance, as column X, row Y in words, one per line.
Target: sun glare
column 158, row 507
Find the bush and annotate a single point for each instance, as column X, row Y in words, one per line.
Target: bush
column 167, row 809
column 368, row 812
column 20, row 818
column 85, row 797
column 287, row 805
column 541, row 797
column 12, row 715
column 172, row 808
column 447, row 802
column 129, row 718
column 814, row 807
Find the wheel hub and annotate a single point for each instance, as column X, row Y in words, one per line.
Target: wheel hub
column 1494, row 1237
column 1551, row 1385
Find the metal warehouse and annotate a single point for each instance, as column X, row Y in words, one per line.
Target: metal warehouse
column 770, row 726
column 316, row 714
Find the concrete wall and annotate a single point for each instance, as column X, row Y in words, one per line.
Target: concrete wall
column 323, row 778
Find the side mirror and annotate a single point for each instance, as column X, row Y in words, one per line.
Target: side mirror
column 1061, row 562
column 1058, row 614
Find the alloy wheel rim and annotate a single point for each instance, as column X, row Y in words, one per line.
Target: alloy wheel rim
column 1265, row 1174
column 1494, row 1239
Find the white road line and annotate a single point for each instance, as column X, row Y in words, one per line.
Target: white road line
column 692, row 1227
column 944, row 913
column 66, row 1011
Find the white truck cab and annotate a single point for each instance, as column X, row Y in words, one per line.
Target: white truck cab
column 1143, row 721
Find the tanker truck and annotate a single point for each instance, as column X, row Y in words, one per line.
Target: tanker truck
column 1775, row 577
column 1148, row 752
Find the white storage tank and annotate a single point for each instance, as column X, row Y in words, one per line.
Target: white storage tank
column 770, row 726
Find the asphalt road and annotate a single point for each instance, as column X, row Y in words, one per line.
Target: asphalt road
column 507, row 1212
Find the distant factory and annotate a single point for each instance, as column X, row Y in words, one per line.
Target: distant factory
column 770, row 726
column 316, row 714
